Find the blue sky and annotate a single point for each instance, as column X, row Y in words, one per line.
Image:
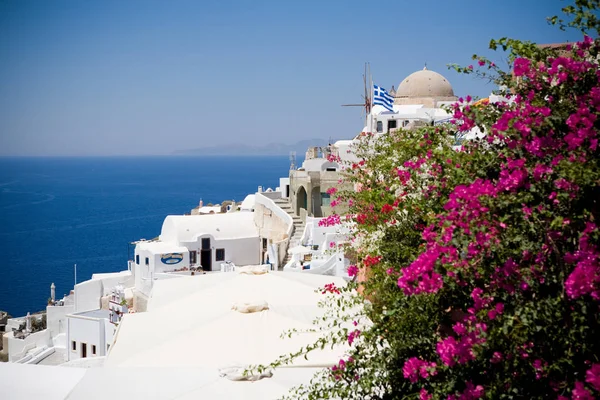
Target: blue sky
column 150, row 77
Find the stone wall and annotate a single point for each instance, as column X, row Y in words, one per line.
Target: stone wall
column 269, row 225
column 140, row 302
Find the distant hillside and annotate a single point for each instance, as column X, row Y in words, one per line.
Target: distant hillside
column 271, row 149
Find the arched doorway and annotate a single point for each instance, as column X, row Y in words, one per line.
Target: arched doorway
column 301, row 199
column 315, row 199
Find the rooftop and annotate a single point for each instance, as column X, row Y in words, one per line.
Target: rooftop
column 100, row 313
column 187, row 228
column 424, row 83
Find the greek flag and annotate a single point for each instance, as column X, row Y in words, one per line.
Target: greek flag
column 381, row 97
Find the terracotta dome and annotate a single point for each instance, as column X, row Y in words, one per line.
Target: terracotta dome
column 424, row 83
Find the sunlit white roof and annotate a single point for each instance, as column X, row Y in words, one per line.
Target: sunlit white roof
column 160, row 247
column 157, row 383
column 248, row 203
column 203, row 330
column 187, row 228
column 20, row 381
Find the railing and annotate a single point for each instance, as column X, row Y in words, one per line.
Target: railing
column 264, row 200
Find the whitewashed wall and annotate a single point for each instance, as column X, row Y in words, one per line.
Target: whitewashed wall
column 143, row 282
column 87, row 295
column 56, row 318
column 155, row 263
column 87, row 330
column 109, row 335
column 242, row 251
column 159, row 266
column 284, row 184
column 143, row 253
column 17, row 348
column 109, row 282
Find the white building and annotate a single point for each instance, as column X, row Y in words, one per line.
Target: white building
column 89, row 334
column 421, row 99
column 199, row 241
column 309, row 185
column 202, row 352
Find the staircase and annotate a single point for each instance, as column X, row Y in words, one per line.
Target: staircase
column 297, row 231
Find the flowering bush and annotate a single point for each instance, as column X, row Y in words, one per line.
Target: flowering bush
column 481, row 266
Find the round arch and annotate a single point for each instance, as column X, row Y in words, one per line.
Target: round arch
column 301, row 199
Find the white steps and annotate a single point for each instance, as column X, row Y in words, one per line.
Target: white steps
column 298, row 229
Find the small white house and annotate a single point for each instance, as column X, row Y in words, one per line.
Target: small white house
column 158, row 256
column 89, row 334
column 199, row 241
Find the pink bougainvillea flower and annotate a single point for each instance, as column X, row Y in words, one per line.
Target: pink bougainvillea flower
column 330, row 288
column 592, row 376
column 352, row 270
column 331, row 220
column 424, row 395
column 352, row 336
column 581, row 393
column 415, row 368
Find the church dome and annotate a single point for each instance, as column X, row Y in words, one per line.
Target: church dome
column 424, row 83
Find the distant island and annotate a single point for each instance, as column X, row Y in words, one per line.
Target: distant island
column 271, row 149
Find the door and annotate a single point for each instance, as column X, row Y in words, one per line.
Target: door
column 193, row 258
column 206, row 255
column 263, row 253
column 83, row 350
column 206, row 260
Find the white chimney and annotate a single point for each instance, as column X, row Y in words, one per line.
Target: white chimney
column 52, row 291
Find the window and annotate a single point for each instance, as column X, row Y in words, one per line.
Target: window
column 265, row 242
column 405, row 122
column 147, row 261
column 193, row 257
column 220, row 256
column 379, row 126
column 392, row 124
column 331, row 169
column 137, row 259
column 325, row 199
column 73, row 345
column 93, row 349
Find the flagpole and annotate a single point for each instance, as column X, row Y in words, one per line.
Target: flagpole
column 75, row 274
column 371, row 91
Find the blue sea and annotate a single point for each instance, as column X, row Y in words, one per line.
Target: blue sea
column 57, row 212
